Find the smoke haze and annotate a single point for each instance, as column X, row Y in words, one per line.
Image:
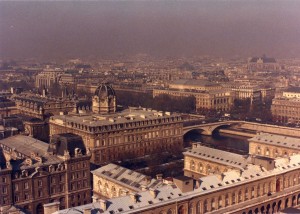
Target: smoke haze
column 69, row 29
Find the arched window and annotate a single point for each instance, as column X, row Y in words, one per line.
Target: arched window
column 170, row 211
column 205, row 206
column 192, row 165
column 200, row 167
column 106, row 189
column 99, row 186
column 220, row 202
column 267, row 152
column 246, row 194
column 213, row 204
column 226, row 200
column 113, row 192
column 198, row 207
column 258, row 150
column 208, row 169
column 240, row 196
column 233, row 198
column 258, row 190
column 191, row 208
column 252, row 192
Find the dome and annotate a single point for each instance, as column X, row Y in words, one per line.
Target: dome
column 105, row 90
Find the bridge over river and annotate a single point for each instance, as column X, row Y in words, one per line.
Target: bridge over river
column 237, row 127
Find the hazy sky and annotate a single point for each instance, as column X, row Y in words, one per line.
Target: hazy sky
column 69, row 29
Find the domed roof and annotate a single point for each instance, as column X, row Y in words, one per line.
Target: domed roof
column 105, row 90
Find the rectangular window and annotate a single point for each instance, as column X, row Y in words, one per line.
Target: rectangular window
column 16, row 198
column 26, row 186
column 40, row 183
column 4, row 190
column 26, row 195
column 16, row 187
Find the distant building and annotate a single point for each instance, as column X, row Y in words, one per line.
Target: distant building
column 47, row 78
column 219, row 100
column 286, row 108
column 262, row 64
column 7, row 107
column 34, row 173
column 193, row 84
column 41, row 106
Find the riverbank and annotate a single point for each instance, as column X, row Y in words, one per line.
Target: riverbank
column 237, row 132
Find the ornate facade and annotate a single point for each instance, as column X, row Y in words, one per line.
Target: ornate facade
column 134, row 132
column 263, row 64
column 112, row 181
column 251, row 190
column 34, row 173
column 273, row 145
column 202, row 161
column 286, row 108
column 218, row 100
column 104, row 100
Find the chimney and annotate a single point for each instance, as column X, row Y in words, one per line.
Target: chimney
column 95, row 198
column 144, row 187
column 159, row 177
column 194, row 145
column 133, row 197
column 103, row 204
column 124, row 192
column 153, row 192
column 87, row 210
column 51, row 207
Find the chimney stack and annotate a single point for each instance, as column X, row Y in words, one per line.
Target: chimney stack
column 103, row 204
column 153, row 192
column 134, row 197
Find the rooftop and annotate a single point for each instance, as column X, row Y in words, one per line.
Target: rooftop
column 277, row 140
column 126, row 177
column 128, row 115
column 172, row 194
column 219, row 156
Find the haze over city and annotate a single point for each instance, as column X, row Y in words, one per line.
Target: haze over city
column 54, row 29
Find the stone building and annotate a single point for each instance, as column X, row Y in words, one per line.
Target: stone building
column 34, row 173
column 193, row 84
column 42, row 107
column 286, row 108
column 47, row 78
column 7, row 107
column 273, row 145
column 112, row 181
column 262, row 64
column 219, row 100
column 251, row 190
column 202, row 161
column 134, row 132
column 104, row 100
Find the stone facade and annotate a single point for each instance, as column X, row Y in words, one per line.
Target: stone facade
column 104, row 100
column 34, row 173
column 218, row 100
column 134, row 132
column 273, row 146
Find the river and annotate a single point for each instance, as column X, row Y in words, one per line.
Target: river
column 232, row 143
